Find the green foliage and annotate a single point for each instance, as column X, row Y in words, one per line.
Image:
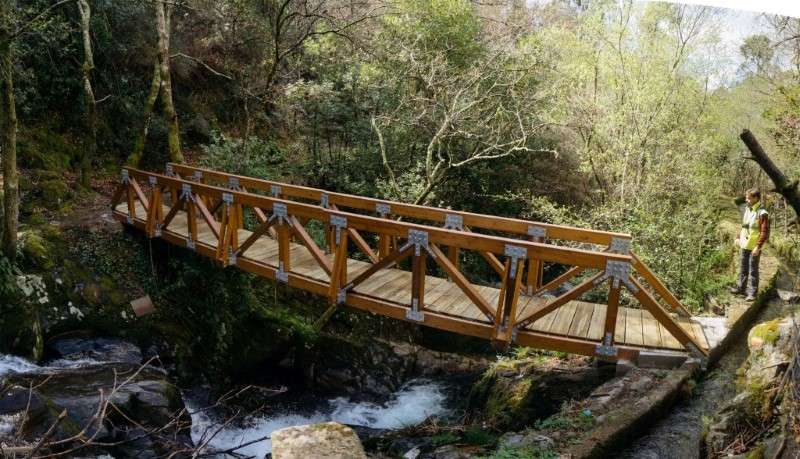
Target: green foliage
column 252, row 156
column 477, row 435
column 444, row 438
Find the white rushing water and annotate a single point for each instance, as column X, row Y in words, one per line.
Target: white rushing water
column 11, row 364
column 411, row 405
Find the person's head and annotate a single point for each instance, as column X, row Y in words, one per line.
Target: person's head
column 752, row 196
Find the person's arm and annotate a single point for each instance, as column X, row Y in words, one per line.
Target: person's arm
column 763, row 233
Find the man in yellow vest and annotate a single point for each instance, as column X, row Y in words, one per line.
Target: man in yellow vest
column 753, row 235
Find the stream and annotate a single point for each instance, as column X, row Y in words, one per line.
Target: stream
column 679, row 434
column 410, row 405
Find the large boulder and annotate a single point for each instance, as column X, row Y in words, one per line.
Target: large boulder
column 143, row 399
column 327, row 440
column 515, row 392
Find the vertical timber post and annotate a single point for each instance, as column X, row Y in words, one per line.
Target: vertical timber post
column 453, row 222
column 535, row 266
column 419, row 239
column 284, row 249
column 384, row 240
column 337, row 294
column 505, row 319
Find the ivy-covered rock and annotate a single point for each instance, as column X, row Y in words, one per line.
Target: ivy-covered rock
column 518, row 390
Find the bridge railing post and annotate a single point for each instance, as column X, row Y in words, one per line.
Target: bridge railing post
column 535, row 266
column 384, row 240
column 506, row 313
column 339, row 239
column 284, row 237
column 419, row 239
column 155, row 213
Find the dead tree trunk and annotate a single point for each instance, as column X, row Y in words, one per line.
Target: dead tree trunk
column 90, row 147
column 162, row 26
column 788, row 189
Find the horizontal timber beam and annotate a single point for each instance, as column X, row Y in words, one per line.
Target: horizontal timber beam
column 436, row 214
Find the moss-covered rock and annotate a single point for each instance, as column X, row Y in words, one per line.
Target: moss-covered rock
column 515, row 392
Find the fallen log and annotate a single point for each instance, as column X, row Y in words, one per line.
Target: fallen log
column 787, row 189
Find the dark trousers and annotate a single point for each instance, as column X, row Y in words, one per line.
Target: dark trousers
column 748, row 272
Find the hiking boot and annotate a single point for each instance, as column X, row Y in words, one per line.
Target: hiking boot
column 736, row 291
column 750, row 297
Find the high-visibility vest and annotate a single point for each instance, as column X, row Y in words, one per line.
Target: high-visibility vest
column 748, row 237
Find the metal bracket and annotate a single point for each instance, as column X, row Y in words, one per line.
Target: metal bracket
column 190, row 243
column 227, row 198
column 454, row 222
column 324, row 201
column 281, row 275
column 618, row 272
column 419, row 239
column 275, row 190
column 280, row 212
column 515, row 253
column 338, row 222
column 157, row 231
column 620, row 245
column 126, row 178
column 414, row 313
column 341, row 296
column 231, row 256
column 129, row 220
column 198, row 175
column 152, row 180
column 537, row 231
column 383, row 209
column 605, row 351
column 168, row 171
column 186, row 192
column 233, row 183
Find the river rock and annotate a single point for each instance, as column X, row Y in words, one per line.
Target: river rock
column 327, row 440
column 515, row 392
column 148, row 399
column 98, row 349
column 525, row 440
column 369, row 368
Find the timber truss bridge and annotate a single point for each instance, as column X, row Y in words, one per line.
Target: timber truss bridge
column 403, row 261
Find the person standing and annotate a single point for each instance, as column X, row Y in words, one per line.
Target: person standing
column 751, row 239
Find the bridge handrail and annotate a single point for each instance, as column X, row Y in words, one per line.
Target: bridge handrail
column 447, row 237
column 437, row 214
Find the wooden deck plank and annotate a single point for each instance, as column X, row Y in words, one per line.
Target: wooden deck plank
column 596, row 327
column 445, row 298
column 651, row 334
column 619, row 330
column 563, row 320
column 582, row 319
column 667, row 340
column 633, row 327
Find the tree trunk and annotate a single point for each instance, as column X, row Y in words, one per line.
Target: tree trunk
column 162, row 26
column 90, row 146
column 782, row 184
column 138, row 147
column 9, row 145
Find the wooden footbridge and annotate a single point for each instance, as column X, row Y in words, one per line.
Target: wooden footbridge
column 403, row 261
